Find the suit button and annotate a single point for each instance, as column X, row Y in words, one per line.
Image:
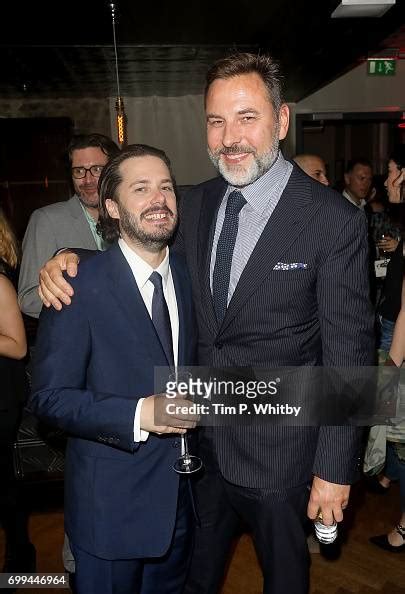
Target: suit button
column 218, row 345
column 176, row 444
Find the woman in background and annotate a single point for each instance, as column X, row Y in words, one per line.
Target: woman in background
column 20, row 553
column 394, row 541
column 393, row 340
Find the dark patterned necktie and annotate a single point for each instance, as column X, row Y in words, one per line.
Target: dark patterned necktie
column 161, row 317
column 223, row 259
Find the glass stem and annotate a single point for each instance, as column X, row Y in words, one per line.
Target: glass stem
column 184, row 446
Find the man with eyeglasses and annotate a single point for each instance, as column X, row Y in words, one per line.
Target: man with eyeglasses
column 65, row 224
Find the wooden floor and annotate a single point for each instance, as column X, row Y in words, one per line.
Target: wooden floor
column 361, row 568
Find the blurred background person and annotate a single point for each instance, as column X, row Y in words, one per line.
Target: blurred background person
column 71, row 223
column 313, row 166
column 20, row 553
column 392, row 352
column 390, row 304
column 394, row 541
column 358, row 180
column 384, row 231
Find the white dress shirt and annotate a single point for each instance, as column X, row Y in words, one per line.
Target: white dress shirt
column 348, row 197
column 142, row 271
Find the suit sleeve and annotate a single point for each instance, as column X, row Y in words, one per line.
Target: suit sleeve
column 60, row 395
column 346, row 320
column 39, row 244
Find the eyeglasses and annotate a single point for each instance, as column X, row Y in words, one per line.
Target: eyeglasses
column 80, row 172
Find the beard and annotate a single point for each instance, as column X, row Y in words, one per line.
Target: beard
column 239, row 175
column 153, row 241
column 88, row 195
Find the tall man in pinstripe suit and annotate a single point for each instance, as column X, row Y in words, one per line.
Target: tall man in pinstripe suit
column 295, row 277
column 297, row 295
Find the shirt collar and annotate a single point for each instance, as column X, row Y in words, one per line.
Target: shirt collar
column 350, row 198
column 141, row 269
column 259, row 193
column 88, row 216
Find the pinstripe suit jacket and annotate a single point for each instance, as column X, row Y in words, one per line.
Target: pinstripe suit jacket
column 318, row 315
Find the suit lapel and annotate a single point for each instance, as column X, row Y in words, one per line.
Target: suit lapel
column 82, row 229
column 124, row 289
column 182, row 307
column 211, row 199
column 292, row 213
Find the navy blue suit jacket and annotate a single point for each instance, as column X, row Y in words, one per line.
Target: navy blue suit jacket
column 93, row 361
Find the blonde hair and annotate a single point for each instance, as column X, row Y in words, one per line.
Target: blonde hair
column 8, row 244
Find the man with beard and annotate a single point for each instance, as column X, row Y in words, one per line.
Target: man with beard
column 278, row 269
column 65, row 224
column 127, row 513
column 284, row 284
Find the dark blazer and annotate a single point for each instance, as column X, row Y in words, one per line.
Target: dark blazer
column 93, row 361
column 317, row 315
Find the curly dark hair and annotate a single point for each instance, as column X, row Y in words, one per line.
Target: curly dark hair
column 111, row 178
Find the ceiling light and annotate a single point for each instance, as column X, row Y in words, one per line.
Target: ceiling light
column 361, row 8
column 121, row 117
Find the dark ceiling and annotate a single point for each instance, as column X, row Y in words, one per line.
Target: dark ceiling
column 64, row 47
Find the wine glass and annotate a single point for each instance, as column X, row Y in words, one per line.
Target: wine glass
column 186, row 463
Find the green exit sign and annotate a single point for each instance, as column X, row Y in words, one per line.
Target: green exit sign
column 381, row 67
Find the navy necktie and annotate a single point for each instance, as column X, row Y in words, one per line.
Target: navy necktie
column 223, row 259
column 161, row 317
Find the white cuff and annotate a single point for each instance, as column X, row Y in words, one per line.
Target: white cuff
column 139, row 434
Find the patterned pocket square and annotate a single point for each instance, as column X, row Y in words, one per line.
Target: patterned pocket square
column 290, row 265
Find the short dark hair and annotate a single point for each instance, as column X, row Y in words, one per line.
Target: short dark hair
column 83, row 141
column 398, row 156
column 111, row 178
column 244, row 63
column 358, row 161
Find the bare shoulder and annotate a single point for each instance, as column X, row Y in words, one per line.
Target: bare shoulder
column 8, row 294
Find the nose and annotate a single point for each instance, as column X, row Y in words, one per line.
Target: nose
column 158, row 197
column 231, row 134
column 324, row 180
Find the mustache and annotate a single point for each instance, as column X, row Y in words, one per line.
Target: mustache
column 153, row 209
column 235, row 149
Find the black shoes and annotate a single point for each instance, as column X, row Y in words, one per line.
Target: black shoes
column 382, row 541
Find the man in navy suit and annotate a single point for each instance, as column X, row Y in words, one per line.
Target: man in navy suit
column 278, row 266
column 127, row 514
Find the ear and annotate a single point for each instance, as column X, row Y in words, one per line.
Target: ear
column 347, row 179
column 112, row 208
column 284, row 119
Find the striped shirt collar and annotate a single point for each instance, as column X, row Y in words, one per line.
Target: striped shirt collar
column 259, row 194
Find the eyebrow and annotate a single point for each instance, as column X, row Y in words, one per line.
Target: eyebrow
column 240, row 112
column 148, row 181
column 247, row 110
